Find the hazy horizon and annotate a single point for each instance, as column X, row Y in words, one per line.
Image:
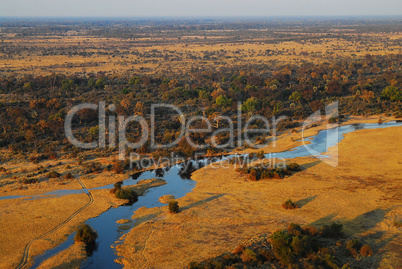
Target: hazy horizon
column 207, row 8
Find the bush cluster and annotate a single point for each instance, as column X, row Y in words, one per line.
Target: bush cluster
column 30, row 180
column 294, row 247
column 295, row 242
column 85, row 234
column 126, row 194
column 92, row 167
column 289, row 205
column 117, row 186
column 173, row 207
column 256, row 173
column 53, row 174
column 294, row 167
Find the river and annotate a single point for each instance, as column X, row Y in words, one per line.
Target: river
column 178, row 185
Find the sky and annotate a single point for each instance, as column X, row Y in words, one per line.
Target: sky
column 201, row 8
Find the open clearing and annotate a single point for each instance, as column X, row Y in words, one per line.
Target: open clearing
column 224, row 210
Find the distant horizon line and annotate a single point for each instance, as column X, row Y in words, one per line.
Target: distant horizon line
column 327, row 17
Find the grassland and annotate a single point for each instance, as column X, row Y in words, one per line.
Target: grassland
column 27, row 219
column 224, row 210
column 43, row 55
column 180, row 65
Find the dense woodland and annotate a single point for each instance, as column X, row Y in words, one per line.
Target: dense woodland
column 33, row 106
column 33, row 109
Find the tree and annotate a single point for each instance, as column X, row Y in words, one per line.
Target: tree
column 139, row 108
column 333, row 88
column 250, row 105
column 223, row 101
column 367, row 96
column 85, row 234
column 203, row 94
column 100, row 83
column 94, row 131
column 392, row 93
column 296, row 96
column 173, row 207
column 30, row 135
column 67, row 85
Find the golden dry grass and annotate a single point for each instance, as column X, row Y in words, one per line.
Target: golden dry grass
column 363, row 192
column 11, row 182
column 236, row 53
column 70, row 258
column 24, row 220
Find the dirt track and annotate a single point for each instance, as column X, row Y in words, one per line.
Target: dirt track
column 25, row 257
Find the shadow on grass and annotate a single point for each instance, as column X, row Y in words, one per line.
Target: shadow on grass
column 360, row 224
column 305, row 201
column 309, row 165
column 363, row 224
column 201, row 202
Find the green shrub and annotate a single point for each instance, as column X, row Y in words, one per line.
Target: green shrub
column 281, row 247
column 85, row 234
column 297, row 245
column 126, row 194
column 293, row 167
column 295, row 229
column 30, row 180
column 289, row 205
column 255, row 173
column 248, row 256
column 117, row 186
column 92, row 167
column 333, row 120
column 260, row 155
column 173, row 207
column 53, row 174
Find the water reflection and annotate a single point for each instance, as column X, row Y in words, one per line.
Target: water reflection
column 186, row 169
column 159, row 172
column 135, row 176
column 358, row 126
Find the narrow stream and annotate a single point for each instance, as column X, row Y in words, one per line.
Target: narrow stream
column 178, row 185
